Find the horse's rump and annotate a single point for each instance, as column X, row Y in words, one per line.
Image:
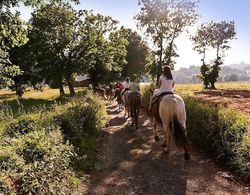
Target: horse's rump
column 134, row 103
column 109, row 91
column 118, row 95
column 156, row 105
column 173, row 115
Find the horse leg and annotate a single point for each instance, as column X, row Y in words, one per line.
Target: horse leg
column 167, row 140
column 157, row 139
column 136, row 118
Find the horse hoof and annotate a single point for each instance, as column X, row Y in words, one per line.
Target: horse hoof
column 186, row 156
column 157, row 139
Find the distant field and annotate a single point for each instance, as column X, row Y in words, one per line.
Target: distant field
column 234, row 94
column 31, row 99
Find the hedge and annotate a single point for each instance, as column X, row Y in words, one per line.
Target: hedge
column 40, row 152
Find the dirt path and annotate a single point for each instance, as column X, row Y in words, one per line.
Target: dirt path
column 135, row 164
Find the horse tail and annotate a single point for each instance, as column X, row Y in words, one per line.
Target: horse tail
column 180, row 135
column 134, row 104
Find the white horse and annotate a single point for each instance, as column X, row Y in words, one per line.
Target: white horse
column 173, row 116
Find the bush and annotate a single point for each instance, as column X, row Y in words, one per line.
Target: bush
column 37, row 151
column 221, row 132
column 21, row 127
column 146, row 94
column 80, row 124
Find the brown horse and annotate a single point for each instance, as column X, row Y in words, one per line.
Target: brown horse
column 100, row 91
column 125, row 99
column 134, row 107
column 118, row 96
column 110, row 92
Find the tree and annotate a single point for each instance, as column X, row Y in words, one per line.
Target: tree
column 33, row 3
column 216, row 36
column 222, row 33
column 60, row 42
column 110, row 48
column 13, row 33
column 138, row 56
column 165, row 21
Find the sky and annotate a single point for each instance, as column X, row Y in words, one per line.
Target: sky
column 216, row 10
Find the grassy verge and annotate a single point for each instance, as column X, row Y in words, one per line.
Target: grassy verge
column 45, row 152
column 223, row 132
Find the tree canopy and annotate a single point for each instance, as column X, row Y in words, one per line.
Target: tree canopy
column 214, row 35
column 165, row 21
column 139, row 56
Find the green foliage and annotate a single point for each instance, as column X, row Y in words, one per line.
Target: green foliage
column 80, row 123
column 215, row 35
column 146, row 94
column 109, row 51
column 139, row 56
column 37, row 151
column 12, row 34
column 165, row 21
column 221, row 132
column 21, row 127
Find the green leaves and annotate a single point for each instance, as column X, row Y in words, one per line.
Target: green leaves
column 213, row 35
column 13, row 33
column 164, row 21
column 138, row 56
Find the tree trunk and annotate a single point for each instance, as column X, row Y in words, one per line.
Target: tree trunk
column 170, row 51
column 71, row 87
column 61, row 89
column 18, row 87
column 160, row 61
column 19, row 90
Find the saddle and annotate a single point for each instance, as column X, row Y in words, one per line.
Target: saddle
column 156, row 104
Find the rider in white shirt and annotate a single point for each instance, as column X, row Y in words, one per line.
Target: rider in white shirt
column 126, row 84
column 134, row 87
column 166, row 83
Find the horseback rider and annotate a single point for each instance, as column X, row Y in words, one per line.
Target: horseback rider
column 126, row 85
column 134, row 87
column 119, row 85
column 165, row 85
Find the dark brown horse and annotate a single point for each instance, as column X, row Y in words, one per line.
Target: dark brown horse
column 134, row 107
column 118, row 96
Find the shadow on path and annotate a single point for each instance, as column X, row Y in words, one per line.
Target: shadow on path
column 135, row 164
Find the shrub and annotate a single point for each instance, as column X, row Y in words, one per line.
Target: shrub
column 146, row 94
column 21, row 127
column 221, row 132
column 37, row 151
column 80, row 124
